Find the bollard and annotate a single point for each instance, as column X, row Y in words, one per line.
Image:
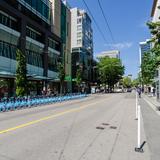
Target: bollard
column 139, row 125
column 139, row 147
column 136, row 106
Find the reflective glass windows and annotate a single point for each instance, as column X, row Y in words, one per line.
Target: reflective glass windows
column 43, row 7
column 34, row 58
column 52, row 61
column 32, row 33
column 54, row 44
column 7, row 50
column 8, row 21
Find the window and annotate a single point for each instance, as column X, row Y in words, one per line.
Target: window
column 79, row 27
column 1, row 48
column 79, row 41
column 33, row 4
column 29, row 2
column 79, row 35
column 54, row 44
column 52, row 61
column 8, row 20
column 7, row 50
column 33, row 34
column 79, row 20
column 34, row 58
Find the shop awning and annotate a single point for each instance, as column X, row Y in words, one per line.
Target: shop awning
column 5, row 74
column 36, row 77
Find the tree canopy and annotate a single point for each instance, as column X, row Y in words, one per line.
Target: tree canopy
column 79, row 78
column 136, row 82
column 148, row 67
column 21, row 74
column 151, row 59
column 127, row 82
column 61, row 76
column 111, row 71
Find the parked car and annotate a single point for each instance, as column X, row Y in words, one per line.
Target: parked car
column 118, row 90
column 129, row 89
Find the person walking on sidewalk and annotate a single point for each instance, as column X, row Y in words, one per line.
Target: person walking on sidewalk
column 139, row 91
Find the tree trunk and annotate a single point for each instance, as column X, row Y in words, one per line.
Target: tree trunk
column 105, row 88
column 78, row 88
column 108, row 88
column 61, row 88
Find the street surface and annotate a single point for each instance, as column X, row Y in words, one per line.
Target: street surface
column 67, row 131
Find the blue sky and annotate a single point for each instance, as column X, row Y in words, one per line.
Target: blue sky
column 127, row 20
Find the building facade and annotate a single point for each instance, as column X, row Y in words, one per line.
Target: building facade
column 155, row 15
column 82, row 46
column 61, row 26
column 27, row 25
column 143, row 48
column 111, row 54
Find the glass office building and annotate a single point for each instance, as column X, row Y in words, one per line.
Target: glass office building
column 82, row 46
column 26, row 24
column 41, row 8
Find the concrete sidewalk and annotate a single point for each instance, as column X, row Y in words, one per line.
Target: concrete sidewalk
column 151, row 121
column 153, row 103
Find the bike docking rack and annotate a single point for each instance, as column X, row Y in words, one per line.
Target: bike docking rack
column 16, row 103
column 139, row 147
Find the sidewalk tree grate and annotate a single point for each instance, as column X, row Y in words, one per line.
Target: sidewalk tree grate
column 113, row 127
column 102, row 128
column 105, row 124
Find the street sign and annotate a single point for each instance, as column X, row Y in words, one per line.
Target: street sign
column 68, row 78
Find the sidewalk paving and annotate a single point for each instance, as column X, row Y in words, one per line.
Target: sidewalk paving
column 151, row 119
column 153, row 103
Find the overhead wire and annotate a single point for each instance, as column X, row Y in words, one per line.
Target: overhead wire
column 106, row 21
column 99, row 29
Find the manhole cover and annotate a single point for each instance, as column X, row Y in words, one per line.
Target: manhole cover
column 113, row 127
column 102, row 128
column 105, row 124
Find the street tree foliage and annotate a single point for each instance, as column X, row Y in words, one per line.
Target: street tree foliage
column 3, row 83
column 148, row 68
column 127, row 82
column 151, row 59
column 155, row 31
column 79, row 78
column 21, row 74
column 61, row 76
column 136, row 82
column 111, row 71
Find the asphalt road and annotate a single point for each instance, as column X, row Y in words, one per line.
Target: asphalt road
column 68, row 131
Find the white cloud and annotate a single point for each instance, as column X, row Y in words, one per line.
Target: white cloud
column 122, row 45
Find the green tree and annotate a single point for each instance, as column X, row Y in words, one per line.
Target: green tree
column 151, row 59
column 155, row 31
column 3, row 83
column 148, row 67
column 111, row 71
column 61, row 76
column 21, row 74
column 127, row 82
column 136, row 82
column 79, row 78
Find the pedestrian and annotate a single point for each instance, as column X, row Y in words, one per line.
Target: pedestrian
column 139, row 92
column 154, row 90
